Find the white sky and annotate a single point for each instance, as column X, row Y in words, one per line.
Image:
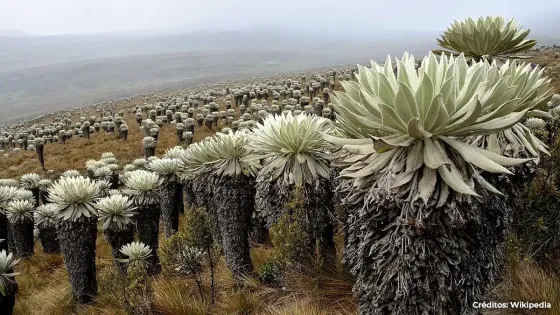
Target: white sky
column 47, row 17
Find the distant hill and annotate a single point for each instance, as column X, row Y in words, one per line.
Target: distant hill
column 545, row 40
column 17, row 53
column 43, row 73
column 544, row 26
column 14, row 33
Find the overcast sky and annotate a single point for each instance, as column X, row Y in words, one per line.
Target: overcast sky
column 48, row 17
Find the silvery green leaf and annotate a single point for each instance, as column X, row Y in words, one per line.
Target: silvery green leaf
column 487, row 185
column 433, row 156
column 491, row 38
column 493, row 145
column 415, row 158
column 416, row 130
column 115, row 211
column 427, row 184
column 380, row 161
column 452, row 177
column 7, row 264
column 474, row 156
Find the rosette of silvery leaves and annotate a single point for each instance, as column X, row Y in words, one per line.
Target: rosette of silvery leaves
column 104, row 187
column 524, row 88
column 7, row 194
column 194, row 160
column 19, row 210
column 74, row 197
column 554, row 101
column 8, row 182
column 533, row 123
column 71, row 173
column 402, row 130
column 554, row 106
column 44, row 184
column 149, row 142
column 140, row 163
column 92, row 165
column 227, row 155
column 30, row 181
column 174, row 153
column 7, row 264
column 46, row 216
column 488, row 38
column 23, row 194
column 292, row 147
column 166, row 168
column 129, row 168
column 115, row 211
column 137, row 254
column 103, row 173
column 142, row 187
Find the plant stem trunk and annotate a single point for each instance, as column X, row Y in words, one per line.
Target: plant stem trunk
column 179, row 201
column 77, row 243
column 234, row 206
column 147, row 227
column 169, row 213
column 117, row 239
column 4, row 232
column 259, row 232
column 149, row 152
column 11, row 243
column 8, row 301
column 114, row 181
column 49, row 240
column 40, row 155
column 190, row 197
column 421, row 259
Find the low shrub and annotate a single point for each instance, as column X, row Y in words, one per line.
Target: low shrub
column 192, row 248
column 270, row 274
column 290, row 240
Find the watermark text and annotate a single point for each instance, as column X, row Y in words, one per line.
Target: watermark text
column 513, row 305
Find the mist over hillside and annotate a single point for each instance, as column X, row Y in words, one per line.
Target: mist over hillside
column 31, row 51
column 13, row 33
column 39, row 74
column 46, row 88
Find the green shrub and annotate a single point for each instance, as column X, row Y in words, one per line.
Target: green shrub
column 537, row 225
column 191, row 249
column 289, row 237
column 270, row 273
column 133, row 292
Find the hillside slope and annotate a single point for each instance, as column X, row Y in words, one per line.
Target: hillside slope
column 43, row 281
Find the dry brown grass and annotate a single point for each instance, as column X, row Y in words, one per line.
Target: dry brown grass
column 177, row 296
column 75, row 153
column 526, row 281
column 298, row 306
column 552, row 68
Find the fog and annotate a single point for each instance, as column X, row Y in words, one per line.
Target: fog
column 351, row 16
